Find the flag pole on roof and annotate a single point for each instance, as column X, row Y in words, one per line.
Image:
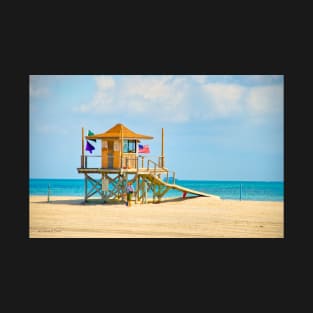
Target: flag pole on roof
column 83, row 151
column 162, row 154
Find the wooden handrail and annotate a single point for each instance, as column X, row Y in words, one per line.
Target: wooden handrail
column 126, row 160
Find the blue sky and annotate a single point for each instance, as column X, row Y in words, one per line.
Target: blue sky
column 217, row 127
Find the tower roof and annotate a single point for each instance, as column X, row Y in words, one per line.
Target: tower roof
column 119, row 131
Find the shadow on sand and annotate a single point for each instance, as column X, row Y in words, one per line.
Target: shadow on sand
column 81, row 202
column 111, row 202
column 175, row 199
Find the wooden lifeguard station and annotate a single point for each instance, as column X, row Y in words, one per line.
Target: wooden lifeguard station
column 120, row 162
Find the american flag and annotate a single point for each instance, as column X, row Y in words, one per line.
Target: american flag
column 143, row 149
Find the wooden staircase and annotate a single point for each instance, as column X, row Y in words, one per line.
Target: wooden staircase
column 160, row 188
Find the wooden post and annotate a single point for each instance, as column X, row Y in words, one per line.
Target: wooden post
column 83, row 153
column 137, row 189
column 162, row 153
column 48, row 192
column 240, row 191
column 145, row 191
column 153, row 190
column 85, row 188
column 102, row 179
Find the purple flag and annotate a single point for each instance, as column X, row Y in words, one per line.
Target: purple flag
column 89, row 147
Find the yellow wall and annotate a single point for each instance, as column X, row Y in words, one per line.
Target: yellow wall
column 116, row 161
column 104, row 153
column 104, row 158
column 131, row 163
column 111, row 147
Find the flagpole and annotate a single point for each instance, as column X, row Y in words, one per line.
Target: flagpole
column 83, row 153
column 162, row 164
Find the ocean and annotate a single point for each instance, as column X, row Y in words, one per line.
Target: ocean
column 236, row 190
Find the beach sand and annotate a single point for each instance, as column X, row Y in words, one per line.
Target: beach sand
column 200, row 217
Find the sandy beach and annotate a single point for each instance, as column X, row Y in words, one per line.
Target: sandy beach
column 200, row 217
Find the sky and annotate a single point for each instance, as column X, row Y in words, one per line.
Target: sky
column 216, row 127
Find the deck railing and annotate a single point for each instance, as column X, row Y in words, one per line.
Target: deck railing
column 170, row 179
column 126, row 162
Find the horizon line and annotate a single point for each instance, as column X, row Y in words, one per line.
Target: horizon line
column 247, row 180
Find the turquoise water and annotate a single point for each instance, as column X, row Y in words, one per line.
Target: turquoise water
column 250, row 190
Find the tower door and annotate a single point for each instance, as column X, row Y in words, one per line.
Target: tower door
column 110, row 154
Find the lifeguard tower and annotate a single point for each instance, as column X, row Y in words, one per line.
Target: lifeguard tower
column 120, row 162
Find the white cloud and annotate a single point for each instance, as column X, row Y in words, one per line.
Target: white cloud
column 159, row 96
column 40, row 86
column 102, row 101
column 263, row 100
column 223, row 99
column 176, row 99
column 152, row 87
column 38, row 91
column 221, row 92
column 105, row 82
column 201, row 79
column 263, row 79
column 51, row 129
column 162, row 97
column 37, row 87
column 274, row 77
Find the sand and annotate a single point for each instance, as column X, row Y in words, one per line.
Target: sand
column 200, row 217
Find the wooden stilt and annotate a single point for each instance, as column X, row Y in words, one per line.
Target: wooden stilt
column 145, row 191
column 102, row 192
column 137, row 189
column 153, row 193
column 85, row 200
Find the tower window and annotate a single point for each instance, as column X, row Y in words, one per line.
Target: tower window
column 129, row 146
